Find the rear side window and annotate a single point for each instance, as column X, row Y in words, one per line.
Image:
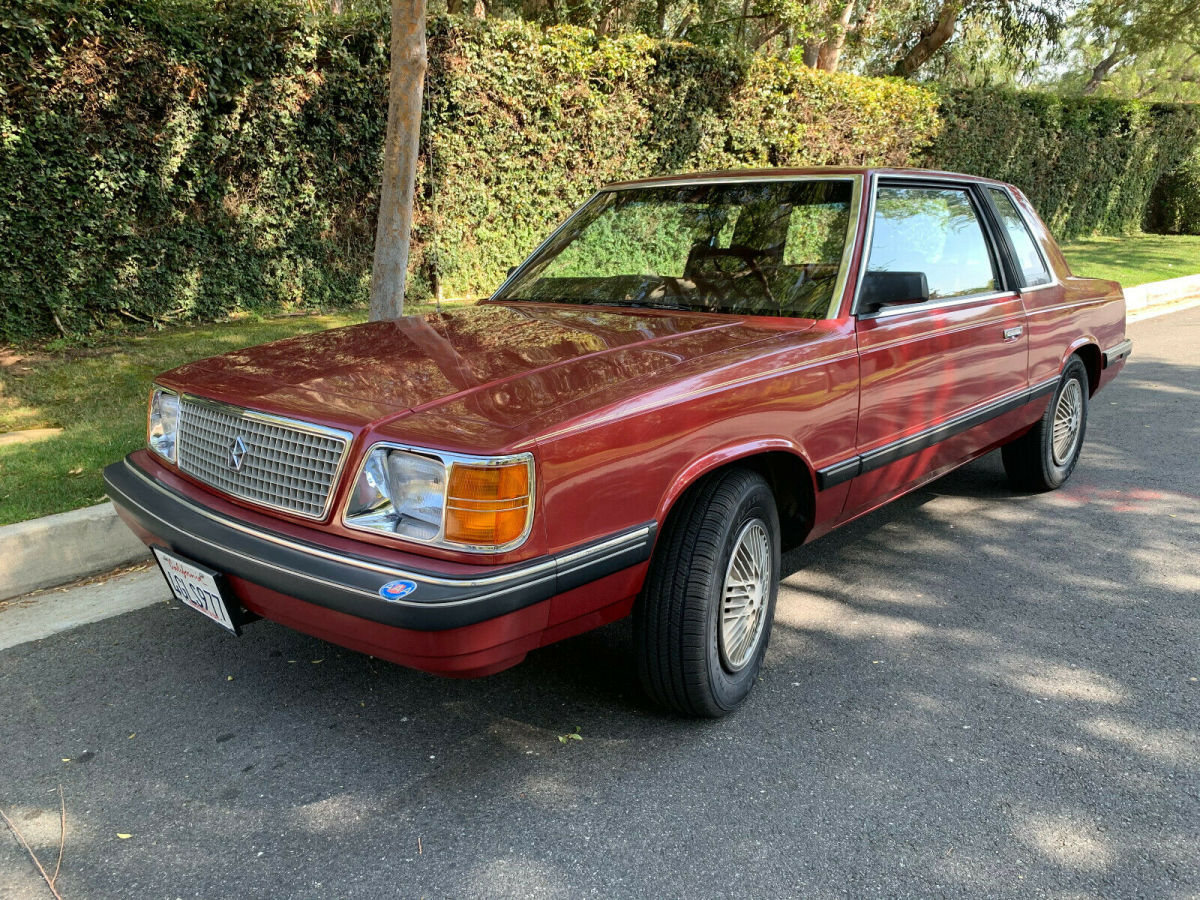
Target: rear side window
column 1033, row 270
column 935, row 231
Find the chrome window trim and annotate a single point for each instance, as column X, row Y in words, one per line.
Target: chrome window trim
column 947, row 182
column 448, row 459
column 839, row 287
column 242, row 412
column 1037, row 245
column 524, row 264
column 888, row 312
column 691, row 181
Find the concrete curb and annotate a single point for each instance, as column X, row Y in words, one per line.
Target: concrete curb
column 53, row 550
column 1142, row 297
column 35, row 618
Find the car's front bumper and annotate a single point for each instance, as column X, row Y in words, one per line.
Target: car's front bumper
column 302, row 582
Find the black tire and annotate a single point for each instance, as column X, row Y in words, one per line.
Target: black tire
column 683, row 660
column 1031, row 461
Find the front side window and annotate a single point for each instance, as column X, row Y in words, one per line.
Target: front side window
column 772, row 248
column 935, row 231
column 1033, row 269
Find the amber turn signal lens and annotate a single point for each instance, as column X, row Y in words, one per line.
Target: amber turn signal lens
column 487, row 505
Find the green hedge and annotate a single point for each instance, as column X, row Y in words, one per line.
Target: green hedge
column 524, row 124
column 178, row 162
column 1089, row 165
column 175, row 161
column 1175, row 205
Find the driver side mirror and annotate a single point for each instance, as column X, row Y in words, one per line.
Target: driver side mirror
column 882, row 289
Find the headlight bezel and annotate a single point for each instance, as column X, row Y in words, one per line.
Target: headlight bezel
column 157, row 393
column 448, row 459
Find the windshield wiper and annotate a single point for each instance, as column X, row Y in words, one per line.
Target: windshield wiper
column 640, row 305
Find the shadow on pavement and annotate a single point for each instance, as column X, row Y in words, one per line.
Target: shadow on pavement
column 968, row 692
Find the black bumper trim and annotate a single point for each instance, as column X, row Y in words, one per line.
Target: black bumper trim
column 889, row 453
column 1118, row 353
column 350, row 583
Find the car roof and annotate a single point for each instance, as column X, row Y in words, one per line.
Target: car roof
column 773, row 173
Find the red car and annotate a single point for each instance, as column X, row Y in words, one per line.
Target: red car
column 692, row 374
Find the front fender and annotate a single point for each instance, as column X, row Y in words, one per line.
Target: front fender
column 723, row 456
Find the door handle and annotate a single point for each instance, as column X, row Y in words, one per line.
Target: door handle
column 1011, row 334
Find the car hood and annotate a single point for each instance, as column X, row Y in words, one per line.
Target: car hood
column 498, row 364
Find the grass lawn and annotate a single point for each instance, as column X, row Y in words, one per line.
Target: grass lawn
column 1135, row 259
column 97, row 397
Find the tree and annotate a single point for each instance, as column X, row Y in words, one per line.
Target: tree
column 1021, row 24
column 1169, row 74
column 845, row 20
column 1122, row 32
column 406, row 86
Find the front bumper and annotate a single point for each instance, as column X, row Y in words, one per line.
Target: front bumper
column 350, row 583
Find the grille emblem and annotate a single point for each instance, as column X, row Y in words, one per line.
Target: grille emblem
column 237, row 453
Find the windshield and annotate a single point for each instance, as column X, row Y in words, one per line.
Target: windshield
column 770, row 248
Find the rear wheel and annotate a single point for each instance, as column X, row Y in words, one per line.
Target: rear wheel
column 1044, row 458
column 703, row 620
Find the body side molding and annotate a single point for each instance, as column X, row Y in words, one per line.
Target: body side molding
column 852, row 466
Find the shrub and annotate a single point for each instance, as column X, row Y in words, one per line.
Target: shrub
column 1175, row 204
column 1089, row 165
column 525, row 124
column 170, row 160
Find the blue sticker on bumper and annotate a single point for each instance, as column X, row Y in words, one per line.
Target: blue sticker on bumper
column 394, row 590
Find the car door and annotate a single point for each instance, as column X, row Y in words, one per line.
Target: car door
column 939, row 377
column 1052, row 319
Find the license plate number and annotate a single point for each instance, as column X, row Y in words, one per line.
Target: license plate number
column 195, row 586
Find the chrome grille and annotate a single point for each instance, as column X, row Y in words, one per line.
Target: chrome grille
column 285, row 465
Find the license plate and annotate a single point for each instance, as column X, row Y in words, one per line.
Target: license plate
column 195, row 586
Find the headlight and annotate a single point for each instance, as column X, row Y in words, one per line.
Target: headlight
column 473, row 503
column 162, row 426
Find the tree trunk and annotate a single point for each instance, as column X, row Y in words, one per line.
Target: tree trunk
column 336, row 7
column 454, row 7
column 741, row 26
column 1101, row 70
column 683, row 26
column 932, row 39
column 830, row 53
column 394, row 230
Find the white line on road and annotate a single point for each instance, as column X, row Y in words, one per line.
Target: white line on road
column 36, row 617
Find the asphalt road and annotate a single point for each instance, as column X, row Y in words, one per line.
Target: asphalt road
column 969, row 693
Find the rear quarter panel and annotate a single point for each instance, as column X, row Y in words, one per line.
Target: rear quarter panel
column 1072, row 315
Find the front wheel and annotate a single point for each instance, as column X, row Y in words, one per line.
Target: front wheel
column 1044, row 458
column 703, row 620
